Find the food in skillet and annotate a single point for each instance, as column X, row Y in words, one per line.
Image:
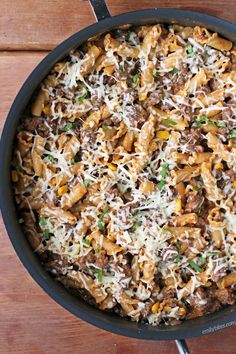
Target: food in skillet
column 124, row 172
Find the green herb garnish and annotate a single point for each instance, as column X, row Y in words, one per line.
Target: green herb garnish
column 136, row 224
column 190, row 51
column 161, row 184
column 127, row 37
column 99, row 273
column 72, row 161
column 86, row 182
column 169, row 122
column 67, row 127
column 154, row 72
column 100, row 224
column 184, row 301
column 174, row 70
column 84, row 95
column 97, row 250
column 50, row 157
column 209, row 254
column 167, row 229
column 195, row 188
column 134, row 78
column 42, row 221
column 195, row 266
column 86, row 242
column 232, row 134
column 164, row 169
column 202, row 259
column 177, row 258
column 46, row 234
column 104, row 127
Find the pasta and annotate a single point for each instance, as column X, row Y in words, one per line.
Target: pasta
column 124, row 173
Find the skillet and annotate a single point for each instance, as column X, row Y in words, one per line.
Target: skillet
column 110, row 322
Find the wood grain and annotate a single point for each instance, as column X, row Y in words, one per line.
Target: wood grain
column 31, row 322
column 41, row 25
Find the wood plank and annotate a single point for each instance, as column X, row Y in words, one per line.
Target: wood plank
column 31, row 322
column 14, row 69
column 37, row 25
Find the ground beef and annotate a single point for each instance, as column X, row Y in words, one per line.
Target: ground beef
column 192, row 139
column 87, row 136
column 226, row 296
column 130, row 96
column 154, row 98
column 202, row 302
column 227, row 113
column 36, row 124
column 147, row 309
column 96, row 102
column 137, row 115
column 57, row 263
column 168, row 292
column 177, row 81
column 109, row 80
column 194, row 202
column 101, row 261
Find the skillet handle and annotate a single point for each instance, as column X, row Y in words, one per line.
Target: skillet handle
column 100, row 9
column 182, row 346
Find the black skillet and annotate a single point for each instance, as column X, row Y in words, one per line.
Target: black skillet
column 197, row 327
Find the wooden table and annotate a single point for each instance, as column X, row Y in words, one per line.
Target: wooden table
column 30, row 322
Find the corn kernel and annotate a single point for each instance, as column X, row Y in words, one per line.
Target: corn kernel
column 46, row 109
column 219, row 166
column 181, row 311
column 167, row 308
column 62, row 190
column 178, row 205
column 155, row 307
column 14, row 176
column 163, row 134
column 207, row 284
column 111, row 166
column 234, row 183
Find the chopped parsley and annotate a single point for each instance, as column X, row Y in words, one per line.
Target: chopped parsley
column 128, row 36
column 136, row 224
column 174, row 70
column 161, row 184
column 198, row 122
column 104, row 127
column 184, row 301
column 169, row 122
column 134, row 78
column 177, row 258
column 154, row 72
column 99, row 273
column 50, row 157
column 100, row 220
column 46, row 234
column 195, row 266
column 167, row 229
column 86, row 182
column 67, row 127
column 85, row 94
column 203, row 260
column 195, row 188
column 72, row 161
column 163, row 173
column 164, row 169
column 86, row 242
column 209, row 254
column 232, row 134
column 190, row 51
column 42, row 221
